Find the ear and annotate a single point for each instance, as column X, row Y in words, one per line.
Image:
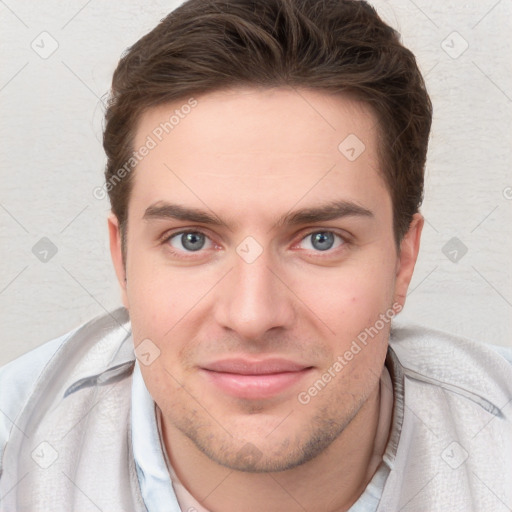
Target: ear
column 409, row 248
column 116, row 253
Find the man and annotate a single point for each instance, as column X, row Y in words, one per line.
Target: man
column 265, row 170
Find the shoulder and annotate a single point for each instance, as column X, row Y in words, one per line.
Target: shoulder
column 20, row 378
column 455, row 363
column 17, row 380
column 455, row 421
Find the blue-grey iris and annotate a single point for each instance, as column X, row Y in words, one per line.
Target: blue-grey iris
column 193, row 241
column 322, row 240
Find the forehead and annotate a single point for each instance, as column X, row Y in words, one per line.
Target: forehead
column 258, row 150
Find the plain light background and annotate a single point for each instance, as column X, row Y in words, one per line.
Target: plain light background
column 52, row 160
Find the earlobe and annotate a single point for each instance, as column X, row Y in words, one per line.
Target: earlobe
column 409, row 249
column 116, row 252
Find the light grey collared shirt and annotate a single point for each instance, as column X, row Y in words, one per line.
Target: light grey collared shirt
column 450, row 438
column 160, row 487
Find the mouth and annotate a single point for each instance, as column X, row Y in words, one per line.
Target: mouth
column 254, row 380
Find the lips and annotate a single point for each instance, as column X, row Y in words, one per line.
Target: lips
column 252, row 379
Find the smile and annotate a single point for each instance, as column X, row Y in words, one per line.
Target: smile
column 254, row 380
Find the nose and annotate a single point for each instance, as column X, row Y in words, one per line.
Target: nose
column 254, row 298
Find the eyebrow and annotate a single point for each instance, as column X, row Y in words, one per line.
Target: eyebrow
column 330, row 211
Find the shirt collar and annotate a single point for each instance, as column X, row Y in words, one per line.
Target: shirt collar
column 155, row 484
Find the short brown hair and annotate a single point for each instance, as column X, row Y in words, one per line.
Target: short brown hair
column 336, row 46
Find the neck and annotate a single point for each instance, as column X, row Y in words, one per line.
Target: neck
column 331, row 482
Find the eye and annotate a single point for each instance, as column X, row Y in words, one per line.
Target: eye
column 189, row 241
column 322, row 241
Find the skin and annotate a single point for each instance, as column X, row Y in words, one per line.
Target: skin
column 250, row 156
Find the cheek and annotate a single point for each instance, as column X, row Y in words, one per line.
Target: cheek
column 159, row 296
column 348, row 298
column 164, row 387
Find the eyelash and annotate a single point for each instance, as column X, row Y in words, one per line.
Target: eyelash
column 179, row 254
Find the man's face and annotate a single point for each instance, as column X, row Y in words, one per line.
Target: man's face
column 247, row 314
